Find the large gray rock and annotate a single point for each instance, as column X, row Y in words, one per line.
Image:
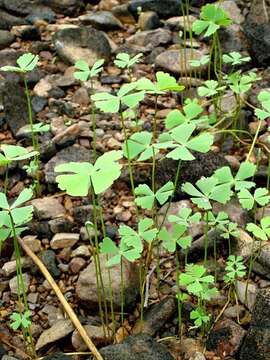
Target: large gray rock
column 150, row 38
column 137, row 347
column 86, row 288
column 178, row 61
column 20, row 7
column 72, row 44
column 7, row 20
column 58, row 331
column 256, row 345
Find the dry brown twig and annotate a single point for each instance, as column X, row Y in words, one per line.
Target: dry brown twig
column 73, row 317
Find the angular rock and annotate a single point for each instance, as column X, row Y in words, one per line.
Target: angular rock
column 233, row 10
column 155, row 318
column 148, row 20
column 235, row 212
column 13, row 284
column 76, row 265
column 86, row 288
column 191, row 171
column 32, row 242
column 262, row 264
column 256, row 344
column 101, row 20
column 137, row 347
column 178, row 61
column 72, row 153
column 225, row 338
column 251, row 293
column 49, row 259
column 81, row 43
column 64, row 240
column 9, row 268
column 150, row 39
column 6, row 38
column 57, row 332
column 177, row 23
column 15, row 106
column 48, row 208
column 96, row 334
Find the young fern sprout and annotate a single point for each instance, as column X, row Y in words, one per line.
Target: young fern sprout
column 13, row 220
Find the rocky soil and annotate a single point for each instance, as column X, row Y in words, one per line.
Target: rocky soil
column 61, row 32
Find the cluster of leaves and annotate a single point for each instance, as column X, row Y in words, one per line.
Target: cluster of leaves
column 13, row 218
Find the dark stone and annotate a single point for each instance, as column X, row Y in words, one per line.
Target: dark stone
column 40, row 228
column 256, row 345
column 15, row 106
column 191, row 171
column 225, row 338
column 20, row 7
column 41, row 13
column 38, row 103
column 83, row 213
column 2, row 351
column 60, row 224
column 156, row 317
column 111, row 231
column 47, row 150
column 66, row 7
column 62, row 107
column 259, row 37
column 6, row 38
column 57, row 93
column 111, row 79
column 71, row 153
column 164, row 9
column 49, row 259
column 137, row 347
column 30, row 32
column 7, row 20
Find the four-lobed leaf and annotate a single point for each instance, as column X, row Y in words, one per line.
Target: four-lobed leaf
column 261, row 232
column 14, row 153
column 212, row 17
column 85, row 72
column 145, row 197
column 26, row 63
column 78, row 177
column 247, row 200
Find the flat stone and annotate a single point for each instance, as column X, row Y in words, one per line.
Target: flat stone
column 13, row 285
column 81, row 43
column 96, row 334
column 163, row 8
column 151, row 38
column 48, row 208
column 64, row 240
column 136, row 347
column 86, row 288
column 174, row 60
column 251, row 293
column 58, row 331
column 177, row 23
column 9, row 268
column 101, row 20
